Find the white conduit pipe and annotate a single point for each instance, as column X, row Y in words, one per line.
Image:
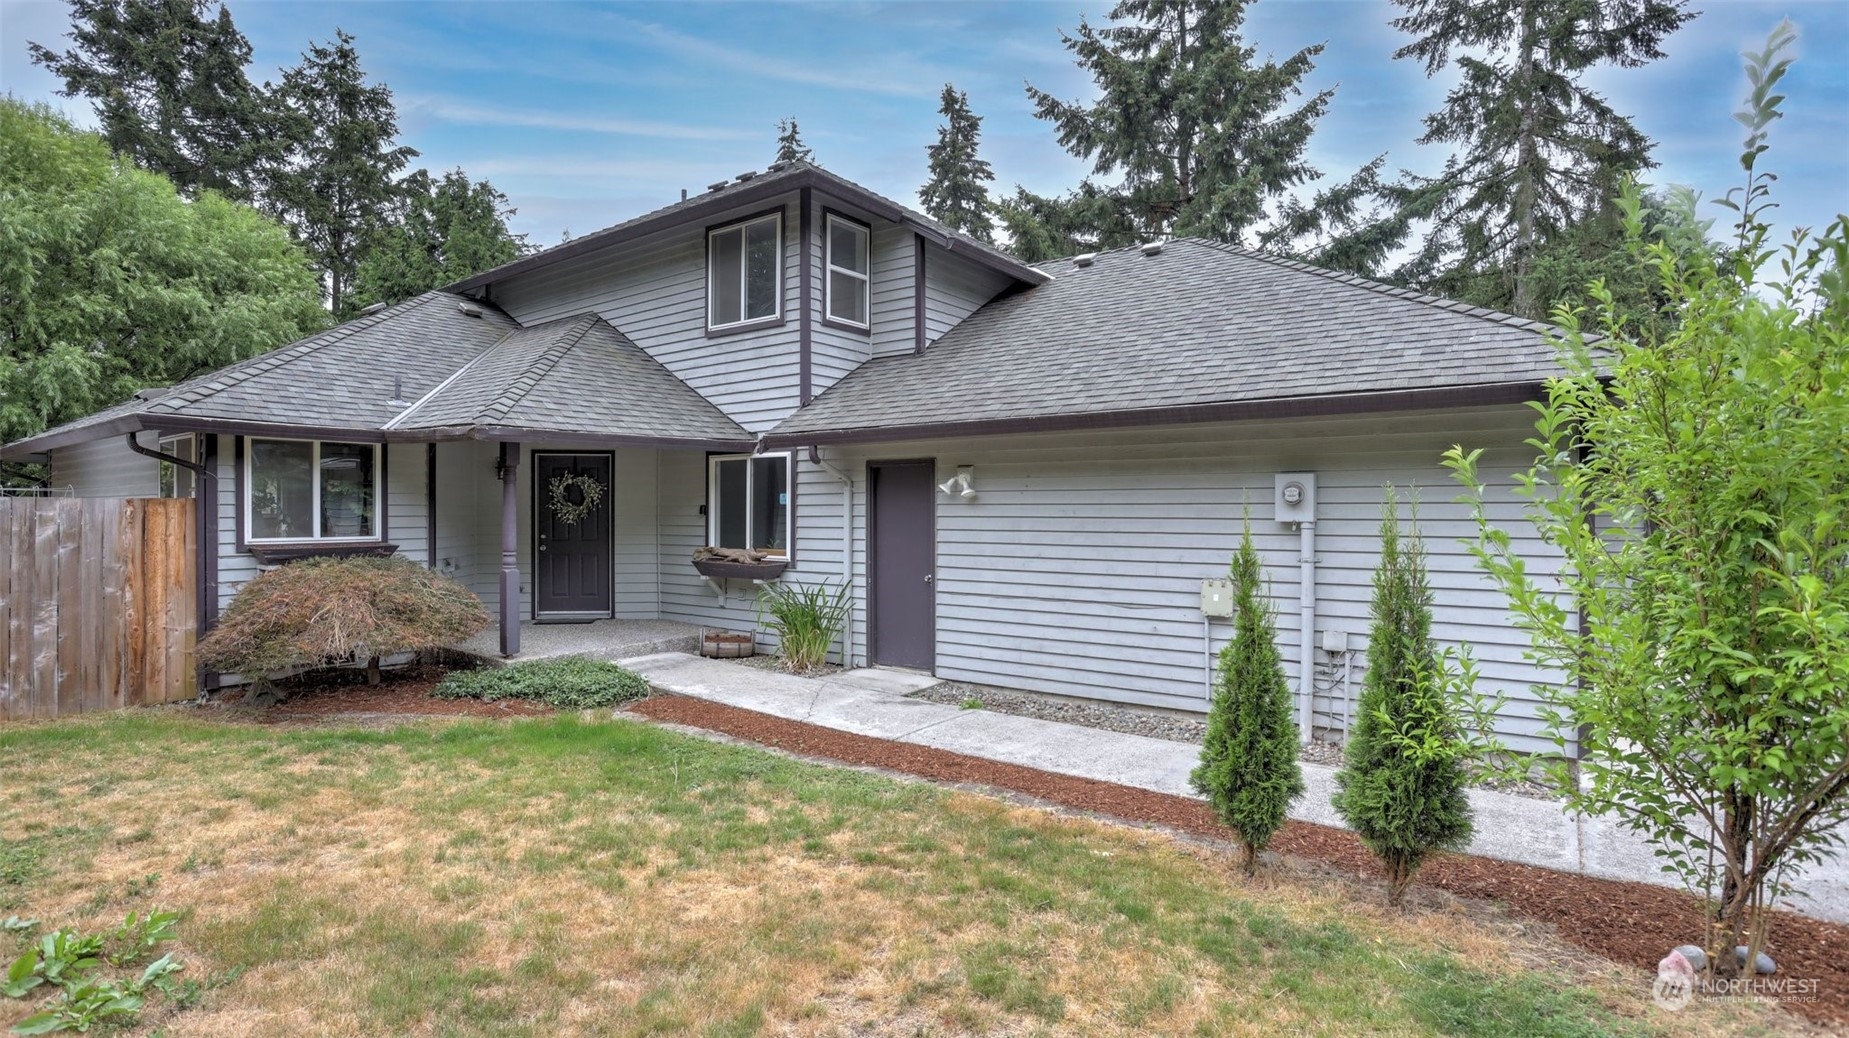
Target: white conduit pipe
column 1306, row 634
column 847, row 549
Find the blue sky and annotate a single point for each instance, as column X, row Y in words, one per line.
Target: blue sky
column 586, row 114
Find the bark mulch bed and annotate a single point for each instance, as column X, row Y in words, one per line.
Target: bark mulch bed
column 403, row 691
column 1630, row 923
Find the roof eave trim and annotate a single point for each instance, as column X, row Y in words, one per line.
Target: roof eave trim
column 37, row 448
column 509, row 433
column 1182, row 414
column 751, row 192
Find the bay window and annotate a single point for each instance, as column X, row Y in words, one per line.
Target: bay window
column 308, row 490
column 748, row 502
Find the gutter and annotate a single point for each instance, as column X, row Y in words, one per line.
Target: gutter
column 847, row 547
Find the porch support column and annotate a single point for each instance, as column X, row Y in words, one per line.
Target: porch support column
column 510, row 549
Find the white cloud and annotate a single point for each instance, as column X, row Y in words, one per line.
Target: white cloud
column 477, row 114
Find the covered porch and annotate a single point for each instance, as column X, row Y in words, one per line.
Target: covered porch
column 608, row 640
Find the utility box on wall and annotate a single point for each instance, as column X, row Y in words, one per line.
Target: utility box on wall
column 1217, row 598
column 1295, row 500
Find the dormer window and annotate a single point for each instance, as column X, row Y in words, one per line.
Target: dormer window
column 850, row 268
column 744, row 273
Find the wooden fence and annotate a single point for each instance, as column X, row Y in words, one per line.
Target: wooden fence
column 96, row 604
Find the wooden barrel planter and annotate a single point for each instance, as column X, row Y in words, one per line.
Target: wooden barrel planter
column 724, row 645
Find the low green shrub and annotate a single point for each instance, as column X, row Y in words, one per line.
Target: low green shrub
column 807, row 618
column 568, row 683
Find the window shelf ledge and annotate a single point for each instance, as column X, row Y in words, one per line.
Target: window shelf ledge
column 277, row 554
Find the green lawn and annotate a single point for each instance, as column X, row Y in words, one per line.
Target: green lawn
column 567, row 876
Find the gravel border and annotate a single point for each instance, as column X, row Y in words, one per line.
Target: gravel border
column 1154, row 724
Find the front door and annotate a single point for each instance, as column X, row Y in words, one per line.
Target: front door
column 572, row 502
column 902, row 520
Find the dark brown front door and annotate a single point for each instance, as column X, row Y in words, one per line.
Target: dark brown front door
column 571, row 544
column 902, row 520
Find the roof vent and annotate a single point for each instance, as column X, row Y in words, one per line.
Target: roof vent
column 470, row 310
column 153, row 393
column 747, row 175
column 1152, row 248
column 1084, row 259
column 718, row 185
column 372, row 308
column 398, row 399
column 776, row 167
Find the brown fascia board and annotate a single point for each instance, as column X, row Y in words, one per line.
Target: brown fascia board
column 755, row 190
column 506, row 434
column 1185, row 414
column 36, row 448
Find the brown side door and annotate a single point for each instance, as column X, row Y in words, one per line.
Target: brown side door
column 902, row 563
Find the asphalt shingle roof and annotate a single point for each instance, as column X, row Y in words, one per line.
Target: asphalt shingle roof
column 345, row 376
column 1199, row 323
column 573, row 375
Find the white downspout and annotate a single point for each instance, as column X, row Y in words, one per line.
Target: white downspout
column 847, row 548
column 1306, row 634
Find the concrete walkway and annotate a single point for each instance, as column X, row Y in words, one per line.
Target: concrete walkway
column 872, row 702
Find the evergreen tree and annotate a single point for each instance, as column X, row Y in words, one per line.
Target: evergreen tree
column 1205, row 140
column 1249, row 770
column 957, row 193
column 111, row 281
column 447, row 230
column 1402, row 783
column 1536, row 150
column 170, row 91
column 790, row 146
column 342, row 178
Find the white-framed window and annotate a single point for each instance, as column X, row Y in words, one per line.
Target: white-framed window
column 744, row 272
column 177, row 480
column 309, row 490
column 748, row 502
column 850, row 271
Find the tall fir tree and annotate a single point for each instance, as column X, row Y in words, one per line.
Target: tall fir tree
column 1201, row 137
column 1536, row 150
column 446, row 230
column 342, row 178
column 957, row 193
column 1249, row 770
column 167, row 79
column 790, row 146
column 1402, row 783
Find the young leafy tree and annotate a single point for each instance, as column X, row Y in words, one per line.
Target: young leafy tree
column 168, row 83
column 790, row 146
column 110, row 281
column 957, row 193
column 1249, row 770
column 1402, row 783
column 342, row 178
column 1705, row 673
column 1204, row 139
column 449, row 229
column 1537, row 150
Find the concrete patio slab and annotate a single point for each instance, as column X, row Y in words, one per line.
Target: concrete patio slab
column 1513, row 828
column 608, row 640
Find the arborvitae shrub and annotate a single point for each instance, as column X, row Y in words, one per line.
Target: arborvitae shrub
column 1249, row 770
column 1402, row 784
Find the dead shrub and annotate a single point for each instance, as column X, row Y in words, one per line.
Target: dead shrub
column 322, row 612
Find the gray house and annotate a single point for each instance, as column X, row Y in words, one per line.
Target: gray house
column 1030, row 474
